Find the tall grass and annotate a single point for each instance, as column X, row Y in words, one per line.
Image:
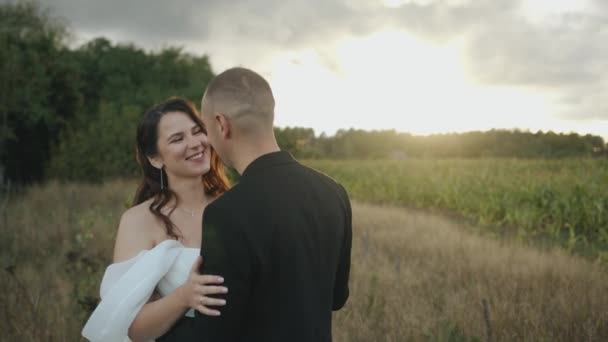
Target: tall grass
column 420, row 277
column 415, row 276
column 54, row 246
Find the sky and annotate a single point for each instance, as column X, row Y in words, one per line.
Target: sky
column 419, row 66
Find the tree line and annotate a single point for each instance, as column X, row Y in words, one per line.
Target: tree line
column 496, row 143
column 71, row 112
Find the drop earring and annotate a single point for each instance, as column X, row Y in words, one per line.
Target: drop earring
column 162, row 182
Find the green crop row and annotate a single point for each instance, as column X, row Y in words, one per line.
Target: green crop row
column 564, row 200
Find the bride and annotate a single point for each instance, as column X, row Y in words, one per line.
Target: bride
column 154, row 280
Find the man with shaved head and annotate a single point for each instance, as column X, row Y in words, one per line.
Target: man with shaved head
column 280, row 238
column 239, row 104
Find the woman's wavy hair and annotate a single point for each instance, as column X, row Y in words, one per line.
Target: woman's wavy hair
column 215, row 181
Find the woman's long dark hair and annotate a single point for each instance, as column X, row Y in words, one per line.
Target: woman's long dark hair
column 215, row 181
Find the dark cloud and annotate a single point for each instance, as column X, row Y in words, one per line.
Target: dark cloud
column 134, row 20
column 282, row 23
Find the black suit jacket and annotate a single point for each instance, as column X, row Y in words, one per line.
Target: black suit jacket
column 281, row 238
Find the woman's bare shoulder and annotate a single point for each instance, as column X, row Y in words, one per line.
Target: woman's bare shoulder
column 139, row 213
column 138, row 230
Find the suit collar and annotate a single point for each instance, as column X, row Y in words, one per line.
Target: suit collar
column 268, row 160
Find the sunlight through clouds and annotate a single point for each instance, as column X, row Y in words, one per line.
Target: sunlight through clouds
column 421, row 66
column 413, row 86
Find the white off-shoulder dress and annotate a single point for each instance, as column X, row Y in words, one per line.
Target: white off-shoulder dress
column 126, row 286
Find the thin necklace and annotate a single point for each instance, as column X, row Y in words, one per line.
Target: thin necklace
column 191, row 212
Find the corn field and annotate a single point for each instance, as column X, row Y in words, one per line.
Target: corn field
column 559, row 201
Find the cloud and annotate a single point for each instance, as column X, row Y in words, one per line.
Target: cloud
column 557, row 50
column 136, row 20
column 562, row 53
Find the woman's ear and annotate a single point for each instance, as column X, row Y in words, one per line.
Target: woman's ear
column 156, row 162
column 224, row 125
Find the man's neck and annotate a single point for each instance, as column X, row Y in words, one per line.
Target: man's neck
column 251, row 152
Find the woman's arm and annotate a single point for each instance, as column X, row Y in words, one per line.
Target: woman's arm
column 158, row 315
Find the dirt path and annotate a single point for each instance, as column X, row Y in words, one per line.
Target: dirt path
column 418, row 276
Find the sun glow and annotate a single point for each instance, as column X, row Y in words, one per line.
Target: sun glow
column 394, row 80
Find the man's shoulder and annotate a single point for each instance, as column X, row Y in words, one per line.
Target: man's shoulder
column 323, row 177
column 227, row 201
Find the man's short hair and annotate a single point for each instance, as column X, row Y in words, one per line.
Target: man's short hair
column 243, row 96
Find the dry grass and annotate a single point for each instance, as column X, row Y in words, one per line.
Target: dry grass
column 55, row 242
column 415, row 276
column 421, row 277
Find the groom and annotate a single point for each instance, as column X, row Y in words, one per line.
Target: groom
column 281, row 237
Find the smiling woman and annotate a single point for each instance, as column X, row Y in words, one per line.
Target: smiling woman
column 172, row 148
column 154, row 280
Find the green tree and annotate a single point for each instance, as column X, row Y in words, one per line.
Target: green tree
column 297, row 140
column 119, row 82
column 102, row 149
column 38, row 95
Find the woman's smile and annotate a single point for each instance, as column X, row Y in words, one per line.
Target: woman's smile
column 197, row 157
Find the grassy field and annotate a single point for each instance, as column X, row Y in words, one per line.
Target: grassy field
column 416, row 275
column 421, row 277
column 562, row 202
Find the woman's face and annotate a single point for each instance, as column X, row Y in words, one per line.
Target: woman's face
column 182, row 146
